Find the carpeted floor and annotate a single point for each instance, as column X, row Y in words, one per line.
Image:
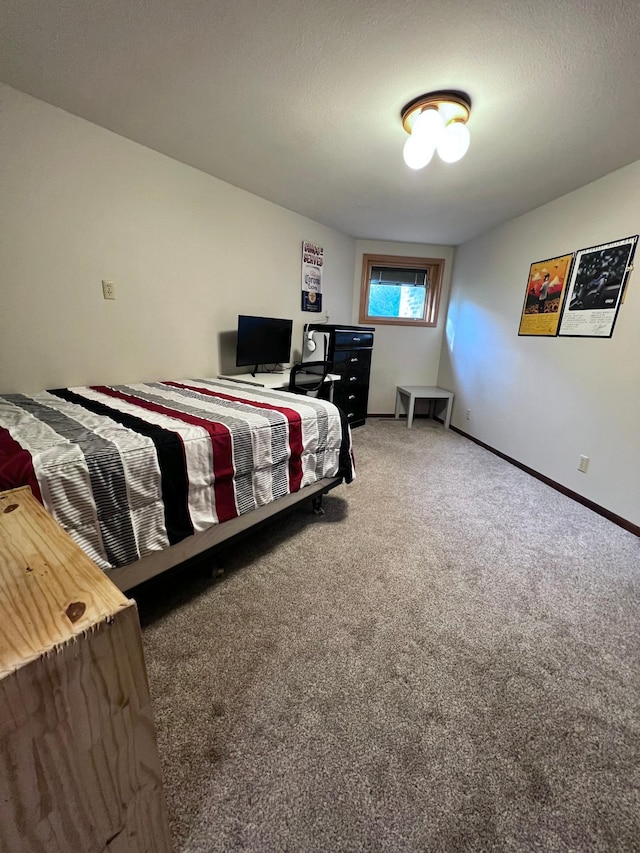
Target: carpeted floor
column 448, row 660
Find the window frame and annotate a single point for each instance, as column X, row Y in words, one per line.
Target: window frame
column 435, row 268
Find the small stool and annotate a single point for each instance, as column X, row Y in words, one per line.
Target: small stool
column 423, row 392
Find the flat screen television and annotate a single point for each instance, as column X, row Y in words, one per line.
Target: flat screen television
column 263, row 341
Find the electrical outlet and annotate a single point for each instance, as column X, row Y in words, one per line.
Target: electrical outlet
column 108, row 289
column 583, row 464
column 468, row 415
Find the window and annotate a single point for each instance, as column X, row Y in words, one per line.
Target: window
column 400, row 291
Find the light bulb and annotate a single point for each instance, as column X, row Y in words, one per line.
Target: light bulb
column 426, row 131
column 417, row 152
column 428, row 125
column 454, row 142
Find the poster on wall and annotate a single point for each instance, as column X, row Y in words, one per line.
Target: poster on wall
column 312, row 261
column 544, row 295
column 596, row 289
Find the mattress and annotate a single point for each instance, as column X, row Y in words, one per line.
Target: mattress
column 128, row 470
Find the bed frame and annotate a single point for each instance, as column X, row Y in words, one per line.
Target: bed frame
column 219, row 535
column 137, row 409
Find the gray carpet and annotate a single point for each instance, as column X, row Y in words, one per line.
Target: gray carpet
column 448, row 660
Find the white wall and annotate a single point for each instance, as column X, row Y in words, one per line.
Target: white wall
column 187, row 253
column 546, row 400
column 402, row 355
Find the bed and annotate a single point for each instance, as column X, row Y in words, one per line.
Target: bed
column 145, row 476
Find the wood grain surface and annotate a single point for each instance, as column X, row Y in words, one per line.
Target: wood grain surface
column 79, row 767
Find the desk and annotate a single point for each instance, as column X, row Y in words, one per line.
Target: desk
column 276, row 381
column 423, row 392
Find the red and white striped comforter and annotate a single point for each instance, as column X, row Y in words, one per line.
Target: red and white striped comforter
column 131, row 469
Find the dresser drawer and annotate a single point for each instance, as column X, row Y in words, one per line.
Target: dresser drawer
column 356, row 362
column 356, row 411
column 353, row 340
column 352, row 399
column 352, row 383
column 356, row 415
column 350, row 395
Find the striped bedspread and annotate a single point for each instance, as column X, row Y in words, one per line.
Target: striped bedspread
column 131, row 469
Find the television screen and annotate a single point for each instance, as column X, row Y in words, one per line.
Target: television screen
column 263, row 340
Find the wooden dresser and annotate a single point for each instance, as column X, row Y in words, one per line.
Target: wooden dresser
column 79, row 766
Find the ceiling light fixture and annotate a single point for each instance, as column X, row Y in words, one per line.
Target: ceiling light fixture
column 436, row 122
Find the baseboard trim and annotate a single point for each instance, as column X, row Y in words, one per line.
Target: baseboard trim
column 611, row 516
column 403, row 416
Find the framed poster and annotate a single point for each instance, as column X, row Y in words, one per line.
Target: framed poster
column 596, row 289
column 543, row 296
column 312, row 262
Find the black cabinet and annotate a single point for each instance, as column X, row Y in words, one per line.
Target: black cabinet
column 348, row 349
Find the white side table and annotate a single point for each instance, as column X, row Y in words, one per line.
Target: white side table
column 410, row 393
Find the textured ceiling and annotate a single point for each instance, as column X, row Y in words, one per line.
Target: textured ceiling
column 299, row 102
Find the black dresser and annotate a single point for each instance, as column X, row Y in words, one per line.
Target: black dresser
column 348, row 350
